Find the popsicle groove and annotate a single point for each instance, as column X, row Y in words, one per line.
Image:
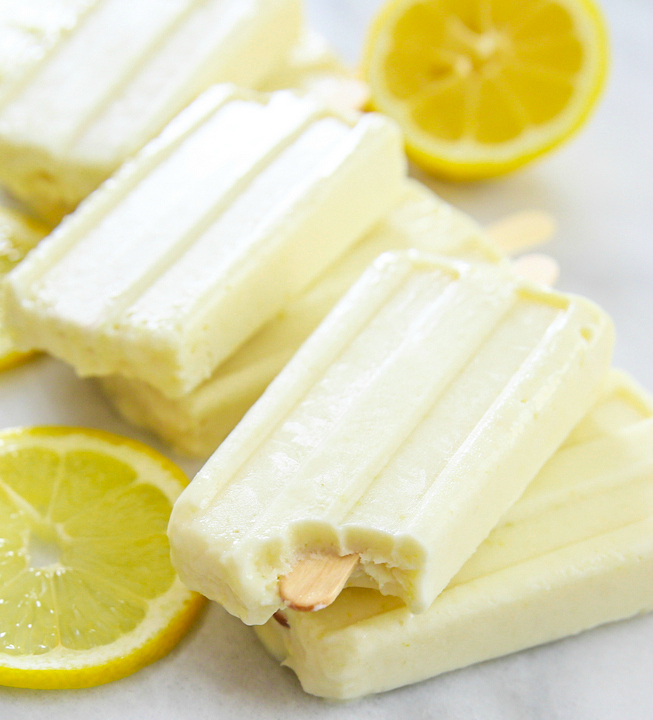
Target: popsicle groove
column 419, row 313
column 564, row 569
column 135, row 30
column 601, row 469
column 461, row 410
column 101, row 79
column 328, row 478
column 434, row 308
column 198, row 422
column 340, row 507
column 261, row 454
column 205, row 231
column 38, row 46
column 563, row 526
column 132, row 67
column 113, row 130
column 248, row 220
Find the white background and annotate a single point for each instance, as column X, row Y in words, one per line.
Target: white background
column 600, row 190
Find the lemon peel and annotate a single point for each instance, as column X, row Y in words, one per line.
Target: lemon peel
column 481, row 87
column 87, row 590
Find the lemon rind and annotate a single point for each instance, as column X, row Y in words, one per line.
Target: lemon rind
column 470, row 160
column 168, row 616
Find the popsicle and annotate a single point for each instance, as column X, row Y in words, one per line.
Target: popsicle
column 574, row 552
column 401, row 431
column 18, row 235
column 196, row 423
column 84, row 84
column 188, row 250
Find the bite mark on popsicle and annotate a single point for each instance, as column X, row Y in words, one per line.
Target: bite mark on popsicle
column 316, row 581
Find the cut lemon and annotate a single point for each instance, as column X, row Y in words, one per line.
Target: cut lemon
column 481, row 87
column 87, row 590
column 18, row 235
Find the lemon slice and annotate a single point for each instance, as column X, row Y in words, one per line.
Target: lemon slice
column 481, row 87
column 18, row 235
column 87, row 590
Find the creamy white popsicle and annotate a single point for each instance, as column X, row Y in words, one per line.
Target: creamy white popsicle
column 216, row 226
column 18, row 235
column 84, row 84
column 196, row 423
column 574, row 552
column 401, row 431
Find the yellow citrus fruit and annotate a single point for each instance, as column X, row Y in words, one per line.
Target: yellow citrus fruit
column 18, row 235
column 87, row 590
column 481, row 87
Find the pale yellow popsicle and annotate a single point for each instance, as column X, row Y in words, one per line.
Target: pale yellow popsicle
column 198, row 422
column 18, row 235
column 214, row 227
column 84, row 84
column 401, row 431
column 574, row 552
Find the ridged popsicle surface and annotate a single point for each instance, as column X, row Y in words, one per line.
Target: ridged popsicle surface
column 197, row 423
column 402, row 430
column 574, row 552
column 86, row 83
column 217, row 225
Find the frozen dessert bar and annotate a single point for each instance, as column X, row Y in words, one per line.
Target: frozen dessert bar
column 198, row 422
column 188, row 250
column 84, row 84
column 401, row 431
column 313, row 67
column 574, row 552
column 18, row 235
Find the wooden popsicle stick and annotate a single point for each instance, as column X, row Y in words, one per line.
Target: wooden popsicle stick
column 316, row 581
column 522, row 230
column 539, row 268
column 347, row 93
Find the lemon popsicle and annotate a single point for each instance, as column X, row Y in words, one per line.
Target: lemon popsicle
column 197, row 423
column 178, row 259
column 84, row 84
column 18, row 235
column 401, row 431
column 574, row 552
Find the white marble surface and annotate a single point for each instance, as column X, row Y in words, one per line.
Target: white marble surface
column 599, row 188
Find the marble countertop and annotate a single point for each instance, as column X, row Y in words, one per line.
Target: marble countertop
column 599, row 188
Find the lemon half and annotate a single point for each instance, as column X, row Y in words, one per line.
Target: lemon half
column 481, row 87
column 87, row 590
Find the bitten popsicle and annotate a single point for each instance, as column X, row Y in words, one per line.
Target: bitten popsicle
column 575, row 551
column 401, row 431
column 18, row 235
column 214, row 227
column 198, row 422
column 84, row 84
